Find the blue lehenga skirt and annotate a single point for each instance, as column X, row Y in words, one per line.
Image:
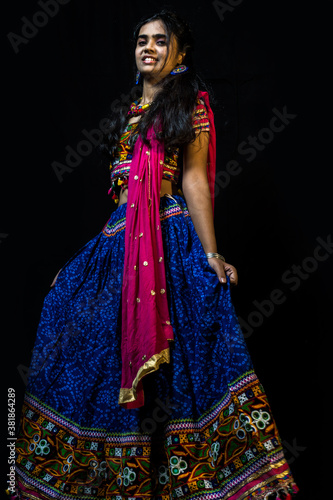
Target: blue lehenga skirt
column 206, row 430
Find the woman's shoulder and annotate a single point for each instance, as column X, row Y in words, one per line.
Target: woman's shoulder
column 200, row 117
column 201, row 102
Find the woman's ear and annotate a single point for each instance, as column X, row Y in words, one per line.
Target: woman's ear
column 181, row 57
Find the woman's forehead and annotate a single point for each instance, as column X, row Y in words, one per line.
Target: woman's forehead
column 153, row 28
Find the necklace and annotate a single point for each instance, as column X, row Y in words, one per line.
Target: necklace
column 137, row 109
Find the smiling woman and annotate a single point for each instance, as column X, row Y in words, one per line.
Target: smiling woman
column 153, row 58
column 141, row 385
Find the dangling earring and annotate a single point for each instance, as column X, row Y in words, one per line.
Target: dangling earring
column 179, row 69
column 137, row 78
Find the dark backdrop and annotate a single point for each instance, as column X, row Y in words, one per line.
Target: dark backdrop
column 262, row 59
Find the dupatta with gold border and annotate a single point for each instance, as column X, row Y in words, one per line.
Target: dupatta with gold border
column 146, row 327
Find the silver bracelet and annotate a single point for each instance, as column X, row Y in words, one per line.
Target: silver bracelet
column 216, row 255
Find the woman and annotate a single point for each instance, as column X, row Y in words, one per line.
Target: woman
column 141, row 384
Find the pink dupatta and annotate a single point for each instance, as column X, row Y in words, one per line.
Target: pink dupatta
column 146, row 328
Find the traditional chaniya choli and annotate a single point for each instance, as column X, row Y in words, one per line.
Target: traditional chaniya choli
column 141, row 385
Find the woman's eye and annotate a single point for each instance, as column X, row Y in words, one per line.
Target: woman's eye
column 141, row 43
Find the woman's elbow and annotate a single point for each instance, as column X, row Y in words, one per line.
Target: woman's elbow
column 194, row 182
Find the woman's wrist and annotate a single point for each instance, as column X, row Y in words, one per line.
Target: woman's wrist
column 215, row 255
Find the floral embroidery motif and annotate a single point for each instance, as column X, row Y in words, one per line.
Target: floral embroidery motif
column 34, row 442
column 243, row 425
column 177, row 465
column 214, row 452
column 42, row 448
column 260, row 418
column 163, row 474
column 128, row 476
column 67, row 466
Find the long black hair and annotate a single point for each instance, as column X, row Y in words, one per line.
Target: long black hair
column 175, row 99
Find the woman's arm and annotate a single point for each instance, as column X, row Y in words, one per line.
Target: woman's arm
column 197, row 194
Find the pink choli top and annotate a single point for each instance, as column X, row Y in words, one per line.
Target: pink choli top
column 121, row 165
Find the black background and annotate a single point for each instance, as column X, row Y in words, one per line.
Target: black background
column 263, row 55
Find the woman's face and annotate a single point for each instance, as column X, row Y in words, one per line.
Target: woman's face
column 151, row 52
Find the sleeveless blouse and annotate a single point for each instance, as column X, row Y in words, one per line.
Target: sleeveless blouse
column 120, row 168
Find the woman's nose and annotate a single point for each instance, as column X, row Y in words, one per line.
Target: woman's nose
column 150, row 45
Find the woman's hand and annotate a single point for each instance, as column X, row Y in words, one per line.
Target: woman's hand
column 222, row 269
column 198, row 199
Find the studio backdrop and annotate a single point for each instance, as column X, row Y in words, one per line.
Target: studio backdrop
column 67, row 64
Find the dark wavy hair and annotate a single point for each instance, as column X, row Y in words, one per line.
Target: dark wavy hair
column 175, row 99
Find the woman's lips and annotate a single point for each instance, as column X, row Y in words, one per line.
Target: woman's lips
column 149, row 60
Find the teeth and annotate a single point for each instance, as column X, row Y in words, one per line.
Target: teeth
column 148, row 59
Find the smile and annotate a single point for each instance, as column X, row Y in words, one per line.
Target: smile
column 148, row 60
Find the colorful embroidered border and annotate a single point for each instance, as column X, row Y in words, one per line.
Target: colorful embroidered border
column 111, row 230
column 165, row 213
column 233, row 451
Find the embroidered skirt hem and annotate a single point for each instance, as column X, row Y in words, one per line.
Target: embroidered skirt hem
column 206, row 430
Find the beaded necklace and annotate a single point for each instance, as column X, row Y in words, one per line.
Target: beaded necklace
column 136, row 109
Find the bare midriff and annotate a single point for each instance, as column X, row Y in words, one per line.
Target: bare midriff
column 167, row 187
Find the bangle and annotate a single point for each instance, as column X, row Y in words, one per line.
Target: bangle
column 216, row 255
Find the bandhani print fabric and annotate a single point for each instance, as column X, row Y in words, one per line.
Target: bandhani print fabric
column 206, row 430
